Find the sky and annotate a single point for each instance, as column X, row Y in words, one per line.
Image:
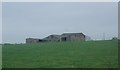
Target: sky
column 21, row 20
column 59, row 0
column 0, row 22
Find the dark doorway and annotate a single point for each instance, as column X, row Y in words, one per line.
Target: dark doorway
column 40, row 40
column 64, row 38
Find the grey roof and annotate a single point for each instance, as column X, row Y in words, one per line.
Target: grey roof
column 31, row 38
column 72, row 34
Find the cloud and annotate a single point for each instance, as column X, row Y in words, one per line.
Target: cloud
column 24, row 19
column 60, row 0
column 0, row 22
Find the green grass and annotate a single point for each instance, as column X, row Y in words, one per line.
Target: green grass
column 0, row 56
column 92, row 54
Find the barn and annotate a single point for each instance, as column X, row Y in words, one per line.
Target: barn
column 59, row 38
column 34, row 40
column 52, row 38
column 72, row 37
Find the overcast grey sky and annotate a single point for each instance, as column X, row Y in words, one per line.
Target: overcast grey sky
column 37, row 19
column 60, row 0
column 0, row 22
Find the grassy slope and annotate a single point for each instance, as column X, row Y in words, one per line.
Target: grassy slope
column 94, row 54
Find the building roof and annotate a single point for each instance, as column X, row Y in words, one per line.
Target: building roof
column 72, row 34
column 31, row 38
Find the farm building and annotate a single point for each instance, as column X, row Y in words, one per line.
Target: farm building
column 72, row 37
column 53, row 38
column 59, row 38
column 33, row 40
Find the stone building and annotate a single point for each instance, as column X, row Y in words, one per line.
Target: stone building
column 52, row 38
column 59, row 38
column 34, row 40
column 72, row 37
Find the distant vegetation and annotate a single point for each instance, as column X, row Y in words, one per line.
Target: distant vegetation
column 90, row 54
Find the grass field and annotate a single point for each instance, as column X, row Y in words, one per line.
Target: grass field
column 91, row 54
column 0, row 56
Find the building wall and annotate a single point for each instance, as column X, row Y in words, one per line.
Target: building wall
column 73, row 37
column 77, row 38
column 32, row 40
column 53, row 38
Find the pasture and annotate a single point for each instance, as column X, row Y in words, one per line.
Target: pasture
column 90, row 54
column 0, row 56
